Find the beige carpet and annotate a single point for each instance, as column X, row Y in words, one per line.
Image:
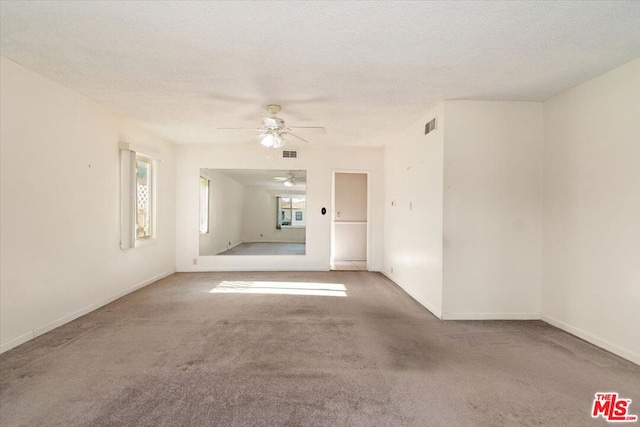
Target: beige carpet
column 266, row 248
column 289, row 349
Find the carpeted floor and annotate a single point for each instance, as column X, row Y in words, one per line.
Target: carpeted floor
column 266, row 248
column 299, row 349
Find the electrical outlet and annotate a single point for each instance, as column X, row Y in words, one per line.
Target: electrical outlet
column 195, row 261
column 260, row 234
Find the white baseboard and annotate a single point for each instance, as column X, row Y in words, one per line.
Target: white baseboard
column 433, row 310
column 490, row 316
column 203, row 269
column 599, row 342
column 16, row 341
column 69, row 317
column 272, row 241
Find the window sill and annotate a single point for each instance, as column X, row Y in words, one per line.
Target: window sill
column 146, row 242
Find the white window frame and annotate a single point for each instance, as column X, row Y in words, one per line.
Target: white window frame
column 129, row 155
column 204, row 208
column 279, row 225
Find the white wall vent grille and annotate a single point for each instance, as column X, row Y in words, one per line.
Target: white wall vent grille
column 289, row 154
column 431, row 126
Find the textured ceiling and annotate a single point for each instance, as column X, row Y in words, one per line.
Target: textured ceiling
column 364, row 70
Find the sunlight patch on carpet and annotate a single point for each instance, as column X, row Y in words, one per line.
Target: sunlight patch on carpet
column 281, row 288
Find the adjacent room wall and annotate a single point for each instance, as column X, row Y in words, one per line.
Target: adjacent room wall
column 261, row 209
column 59, row 200
column 226, row 200
column 350, row 217
column 318, row 158
column 413, row 206
column 492, row 210
column 591, row 261
column 350, row 197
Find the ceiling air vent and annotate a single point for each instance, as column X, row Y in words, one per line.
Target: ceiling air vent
column 431, row 126
column 289, row 154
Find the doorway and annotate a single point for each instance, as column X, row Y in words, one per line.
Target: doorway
column 350, row 221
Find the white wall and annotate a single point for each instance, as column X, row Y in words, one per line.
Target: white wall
column 591, row 273
column 59, row 200
column 318, row 160
column 261, row 209
column 226, row 200
column 413, row 204
column 492, row 210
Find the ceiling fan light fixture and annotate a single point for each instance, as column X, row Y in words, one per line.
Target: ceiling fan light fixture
column 288, row 183
column 271, row 140
column 274, row 129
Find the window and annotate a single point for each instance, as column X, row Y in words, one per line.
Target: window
column 138, row 196
column 290, row 211
column 204, row 205
column 144, row 195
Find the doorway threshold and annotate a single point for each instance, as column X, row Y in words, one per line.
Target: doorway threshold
column 349, row 265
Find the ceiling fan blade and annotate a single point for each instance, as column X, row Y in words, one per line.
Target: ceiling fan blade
column 296, row 136
column 256, row 129
column 316, row 128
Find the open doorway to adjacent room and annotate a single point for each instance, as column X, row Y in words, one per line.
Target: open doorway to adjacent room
column 252, row 212
column 350, row 221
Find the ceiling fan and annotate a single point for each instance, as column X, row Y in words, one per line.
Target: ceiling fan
column 274, row 130
column 288, row 181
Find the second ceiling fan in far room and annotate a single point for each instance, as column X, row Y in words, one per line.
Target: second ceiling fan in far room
column 289, row 180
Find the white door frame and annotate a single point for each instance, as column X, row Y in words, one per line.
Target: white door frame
column 333, row 208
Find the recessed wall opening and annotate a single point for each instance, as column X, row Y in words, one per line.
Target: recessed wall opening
column 253, row 212
column 350, row 221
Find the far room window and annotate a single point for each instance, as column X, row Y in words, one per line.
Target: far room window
column 291, row 211
column 144, row 197
column 204, row 205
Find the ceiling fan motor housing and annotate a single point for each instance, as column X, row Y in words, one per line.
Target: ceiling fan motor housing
column 274, row 129
column 274, row 122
